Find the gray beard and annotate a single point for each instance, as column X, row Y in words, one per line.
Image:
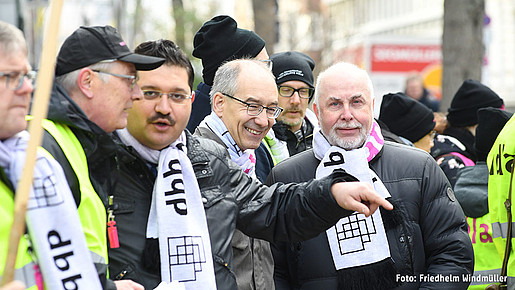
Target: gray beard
column 292, row 124
column 334, row 139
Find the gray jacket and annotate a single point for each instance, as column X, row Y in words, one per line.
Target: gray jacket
column 471, row 189
column 231, row 200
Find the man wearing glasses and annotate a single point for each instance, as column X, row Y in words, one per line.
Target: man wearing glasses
column 244, row 108
column 95, row 85
column 53, row 247
column 220, row 40
column 180, row 198
column 295, row 126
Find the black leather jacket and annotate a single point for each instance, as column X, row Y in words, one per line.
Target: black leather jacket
column 231, row 200
column 432, row 239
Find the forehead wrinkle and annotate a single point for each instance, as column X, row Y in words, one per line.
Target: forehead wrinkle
column 252, row 99
column 334, row 98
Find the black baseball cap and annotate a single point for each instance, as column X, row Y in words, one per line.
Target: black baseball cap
column 89, row 45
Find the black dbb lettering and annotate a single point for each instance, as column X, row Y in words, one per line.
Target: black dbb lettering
column 175, row 190
column 172, row 170
column 65, row 264
column 336, row 159
column 59, row 243
column 176, row 203
column 70, row 282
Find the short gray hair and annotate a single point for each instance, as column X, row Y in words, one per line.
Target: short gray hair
column 226, row 77
column 11, row 39
column 69, row 80
column 340, row 67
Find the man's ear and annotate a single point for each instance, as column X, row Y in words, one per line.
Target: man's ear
column 85, row 82
column 315, row 109
column 219, row 103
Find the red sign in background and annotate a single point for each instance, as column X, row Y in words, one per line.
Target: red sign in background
column 403, row 58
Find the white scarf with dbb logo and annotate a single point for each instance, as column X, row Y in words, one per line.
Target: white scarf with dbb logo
column 52, row 220
column 355, row 240
column 178, row 220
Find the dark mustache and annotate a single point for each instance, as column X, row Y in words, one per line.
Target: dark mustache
column 293, row 108
column 161, row 116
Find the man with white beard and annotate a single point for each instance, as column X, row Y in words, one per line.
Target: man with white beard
column 423, row 238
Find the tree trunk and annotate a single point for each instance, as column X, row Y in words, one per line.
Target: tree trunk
column 137, row 25
column 178, row 16
column 462, row 45
column 120, row 15
column 265, row 21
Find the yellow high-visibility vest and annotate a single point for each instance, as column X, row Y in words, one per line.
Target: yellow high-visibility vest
column 24, row 267
column 486, row 260
column 500, row 161
column 91, row 210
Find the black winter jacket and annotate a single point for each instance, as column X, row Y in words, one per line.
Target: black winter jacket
column 231, row 200
column 431, row 240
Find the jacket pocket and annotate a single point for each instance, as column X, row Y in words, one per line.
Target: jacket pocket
column 123, row 205
column 211, row 195
column 240, row 241
column 127, row 272
column 224, row 265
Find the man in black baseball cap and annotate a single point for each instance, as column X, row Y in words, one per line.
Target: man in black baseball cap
column 95, row 84
column 89, row 45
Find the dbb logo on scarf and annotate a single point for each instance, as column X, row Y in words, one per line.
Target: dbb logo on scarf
column 336, row 158
column 57, row 247
column 178, row 196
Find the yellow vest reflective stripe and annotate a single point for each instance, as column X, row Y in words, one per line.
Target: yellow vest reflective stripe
column 91, row 210
column 24, row 267
column 486, row 259
column 265, row 142
column 500, row 160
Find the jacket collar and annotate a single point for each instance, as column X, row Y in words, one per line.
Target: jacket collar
column 203, row 88
column 465, row 137
column 62, row 109
column 195, row 152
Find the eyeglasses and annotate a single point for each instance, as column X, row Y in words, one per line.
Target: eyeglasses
column 133, row 79
column 14, row 80
column 304, row 93
column 268, row 63
column 256, row 109
column 177, row 98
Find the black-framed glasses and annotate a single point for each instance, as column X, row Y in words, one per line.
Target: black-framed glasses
column 177, row 98
column 14, row 80
column 256, row 109
column 286, row 91
column 132, row 79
